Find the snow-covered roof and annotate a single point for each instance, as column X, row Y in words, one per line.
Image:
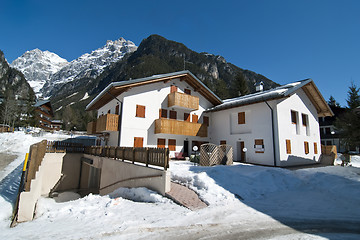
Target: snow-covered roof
column 116, row 88
column 279, row 92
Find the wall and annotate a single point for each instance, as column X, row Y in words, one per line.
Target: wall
column 71, row 171
column 153, row 97
column 300, row 103
column 115, row 174
column 46, row 177
column 224, row 126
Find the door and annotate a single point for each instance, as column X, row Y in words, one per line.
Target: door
column 186, row 149
column 241, row 155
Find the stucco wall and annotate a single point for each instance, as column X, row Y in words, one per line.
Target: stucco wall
column 300, row 103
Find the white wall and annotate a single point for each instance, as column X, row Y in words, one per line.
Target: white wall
column 224, row 126
column 300, row 103
column 153, row 97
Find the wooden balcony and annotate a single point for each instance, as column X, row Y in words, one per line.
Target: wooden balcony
column 91, row 128
column 107, row 123
column 182, row 100
column 170, row 126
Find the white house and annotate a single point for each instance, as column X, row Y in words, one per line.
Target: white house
column 158, row 111
column 278, row 127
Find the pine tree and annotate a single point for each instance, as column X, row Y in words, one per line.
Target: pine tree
column 353, row 99
column 332, row 102
column 239, row 86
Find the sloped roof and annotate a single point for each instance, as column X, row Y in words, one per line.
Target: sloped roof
column 41, row 102
column 116, row 88
column 307, row 85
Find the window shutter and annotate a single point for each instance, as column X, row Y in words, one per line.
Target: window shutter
column 140, row 111
column 259, row 146
column 173, row 114
column 138, row 141
column 306, row 147
column 117, row 109
column 315, row 148
column 161, row 143
column 162, row 113
column 187, row 91
column 187, row 117
column 173, row 88
column 288, row 146
column 195, row 118
column 206, row 120
column 172, row 144
column 222, row 142
column 241, row 118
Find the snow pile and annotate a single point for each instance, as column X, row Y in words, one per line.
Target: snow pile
column 139, row 195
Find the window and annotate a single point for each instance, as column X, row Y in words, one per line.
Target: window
column 206, row 120
column 109, row 111
column 293, row 117
column 315, row 148
column 161, row 143
column 117, row 109
column 288, row 146
column 172, row 114
column 306, row 147
column 327, row 130
column 241, row 118
column 173, row 88
column 162, row 113
column 187, row 117
column 195, row 118
column 138, row 141
column 187, row 91
column 222, row 142
column 259, row 146
column 172, row 144
column 304, row 119
column 140, row 111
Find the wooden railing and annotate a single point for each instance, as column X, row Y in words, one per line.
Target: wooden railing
column 171, row 126
column 108, row 122
column 148, row 156
column 183, row 100
column 59, row 147
column 91, row 128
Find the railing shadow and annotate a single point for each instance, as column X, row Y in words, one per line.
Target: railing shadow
column 9, row 185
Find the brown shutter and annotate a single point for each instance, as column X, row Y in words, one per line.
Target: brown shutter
column 140, row 111
column 161, row 143
column 172, row 144
column 288, row 146
column 173, row 114
column 173, row 88
column 195, row 118
column 162, row 113
column 187, row 117
column 117, row 110
column 222, row 142
column 206, row 120
column 187, row 91
column 241, row 118
column 259, row 141
column 306, row 147
column 315, row 148
column 138, row 142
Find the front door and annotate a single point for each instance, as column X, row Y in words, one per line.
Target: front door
column 186, row 149
column 240, row 152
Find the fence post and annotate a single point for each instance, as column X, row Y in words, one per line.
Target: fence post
column 166, row 158
column 147, row 157
column 133, row 158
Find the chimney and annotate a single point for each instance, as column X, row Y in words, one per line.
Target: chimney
column 260, row 87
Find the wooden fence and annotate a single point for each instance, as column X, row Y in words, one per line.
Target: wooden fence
column 59, row 146
column 148, row 156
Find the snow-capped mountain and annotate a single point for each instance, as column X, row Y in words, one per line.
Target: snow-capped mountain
column 37, row 67
column 89, row 65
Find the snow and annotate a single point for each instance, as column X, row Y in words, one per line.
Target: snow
column 72, row 95
column 86, row 96
column 243, row 200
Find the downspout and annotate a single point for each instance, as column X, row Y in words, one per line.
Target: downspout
column 273, row 131
column 120, row 117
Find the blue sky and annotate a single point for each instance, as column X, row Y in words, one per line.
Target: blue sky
column 284, row 40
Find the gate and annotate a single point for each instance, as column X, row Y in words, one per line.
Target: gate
column 211, row 154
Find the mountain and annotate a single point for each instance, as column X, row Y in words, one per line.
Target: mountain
column 89, row 65
column 16, row 96
column 155, row 55
column 37, row 67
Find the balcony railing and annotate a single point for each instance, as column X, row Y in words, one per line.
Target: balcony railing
column 182, row 100
column 170, row 126
column 105, row 123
